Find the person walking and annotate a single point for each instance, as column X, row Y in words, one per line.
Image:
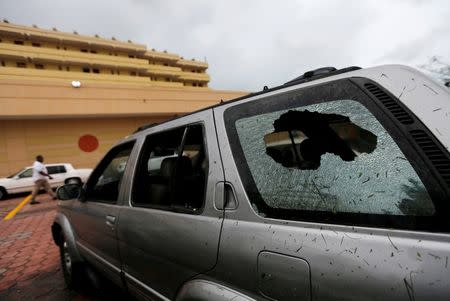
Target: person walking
column 40, row 176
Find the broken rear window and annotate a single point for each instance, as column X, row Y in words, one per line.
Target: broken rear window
column 331, row 157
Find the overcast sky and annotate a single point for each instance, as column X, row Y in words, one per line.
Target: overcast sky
column 249, row 44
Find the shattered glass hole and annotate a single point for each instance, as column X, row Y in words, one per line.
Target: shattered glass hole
column 301, row 138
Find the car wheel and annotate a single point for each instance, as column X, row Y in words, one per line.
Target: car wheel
column 3, row 193
column 73, row 181
column 73, row 271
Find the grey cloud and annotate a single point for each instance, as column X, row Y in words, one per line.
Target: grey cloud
column 249, row 44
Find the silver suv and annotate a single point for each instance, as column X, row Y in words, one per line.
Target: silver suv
column 335, row 185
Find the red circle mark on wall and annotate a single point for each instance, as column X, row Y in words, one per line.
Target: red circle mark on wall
column 88, row 143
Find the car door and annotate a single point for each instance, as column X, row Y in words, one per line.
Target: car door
column 23, row 181
column 95, row 215
column 58, row 174
column 339, row 197
column 169, row 227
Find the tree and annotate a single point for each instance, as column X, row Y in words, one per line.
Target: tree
column 438, row 69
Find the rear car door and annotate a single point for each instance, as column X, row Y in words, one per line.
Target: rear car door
column 95, row 216
column 58, row 174
column 169, row 227
column 341, row 195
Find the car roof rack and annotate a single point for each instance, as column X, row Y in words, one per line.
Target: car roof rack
column 144, row 127
column 319, row 73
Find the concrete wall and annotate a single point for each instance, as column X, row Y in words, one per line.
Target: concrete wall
column 48, row 118
column 58, row 140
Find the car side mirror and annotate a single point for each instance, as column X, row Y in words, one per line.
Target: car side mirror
column 68, row 192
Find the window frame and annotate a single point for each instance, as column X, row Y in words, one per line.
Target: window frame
column 349, row 89
column 100, row 169
column 23, row 172
column 142, row 151
column 59, row 169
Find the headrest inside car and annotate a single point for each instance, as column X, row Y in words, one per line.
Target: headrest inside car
column 183, row 166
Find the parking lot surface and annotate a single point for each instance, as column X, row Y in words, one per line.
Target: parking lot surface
column 29, row 259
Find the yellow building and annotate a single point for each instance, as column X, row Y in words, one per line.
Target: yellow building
column 70, row 97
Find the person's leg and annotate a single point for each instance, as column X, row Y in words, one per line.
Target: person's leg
column 37, row 186
column 49, row 189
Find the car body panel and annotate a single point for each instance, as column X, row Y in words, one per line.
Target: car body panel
column 204, row 290
column 230, row 251
column 162, row 248
column 67, row 230
column 347, row 261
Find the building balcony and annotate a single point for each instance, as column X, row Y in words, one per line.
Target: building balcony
column 167, row 84
column 192, row 64
column 191, row 76
column 28, row 73
column 163, row 70
column 163, row 56
column 27, row 33
column 12, row 73
column 42, row 54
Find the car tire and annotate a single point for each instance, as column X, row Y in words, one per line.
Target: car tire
column 73, row 181
column 73, row 271
column 3, row 193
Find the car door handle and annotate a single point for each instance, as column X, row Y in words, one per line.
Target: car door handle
column 110, row 220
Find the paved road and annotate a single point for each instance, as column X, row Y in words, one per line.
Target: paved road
column 29, row 259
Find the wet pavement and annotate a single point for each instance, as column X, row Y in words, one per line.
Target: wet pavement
column 29, row 259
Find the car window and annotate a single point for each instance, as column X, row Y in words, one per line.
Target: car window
column 350, row 164
column 172, row 169
column 326, row 161
column 55, row 169
column 104, row 185
column 26, row 173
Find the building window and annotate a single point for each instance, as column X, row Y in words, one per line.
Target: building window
column 21, row 65
column 36, row 44
column 95, row 70
column 17, row 42
column 39, row 66
column 87, row 70
column 83, row 50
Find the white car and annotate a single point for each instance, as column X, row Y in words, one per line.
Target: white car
column 62, row 173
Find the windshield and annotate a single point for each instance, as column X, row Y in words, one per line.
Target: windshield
column 15, row 174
